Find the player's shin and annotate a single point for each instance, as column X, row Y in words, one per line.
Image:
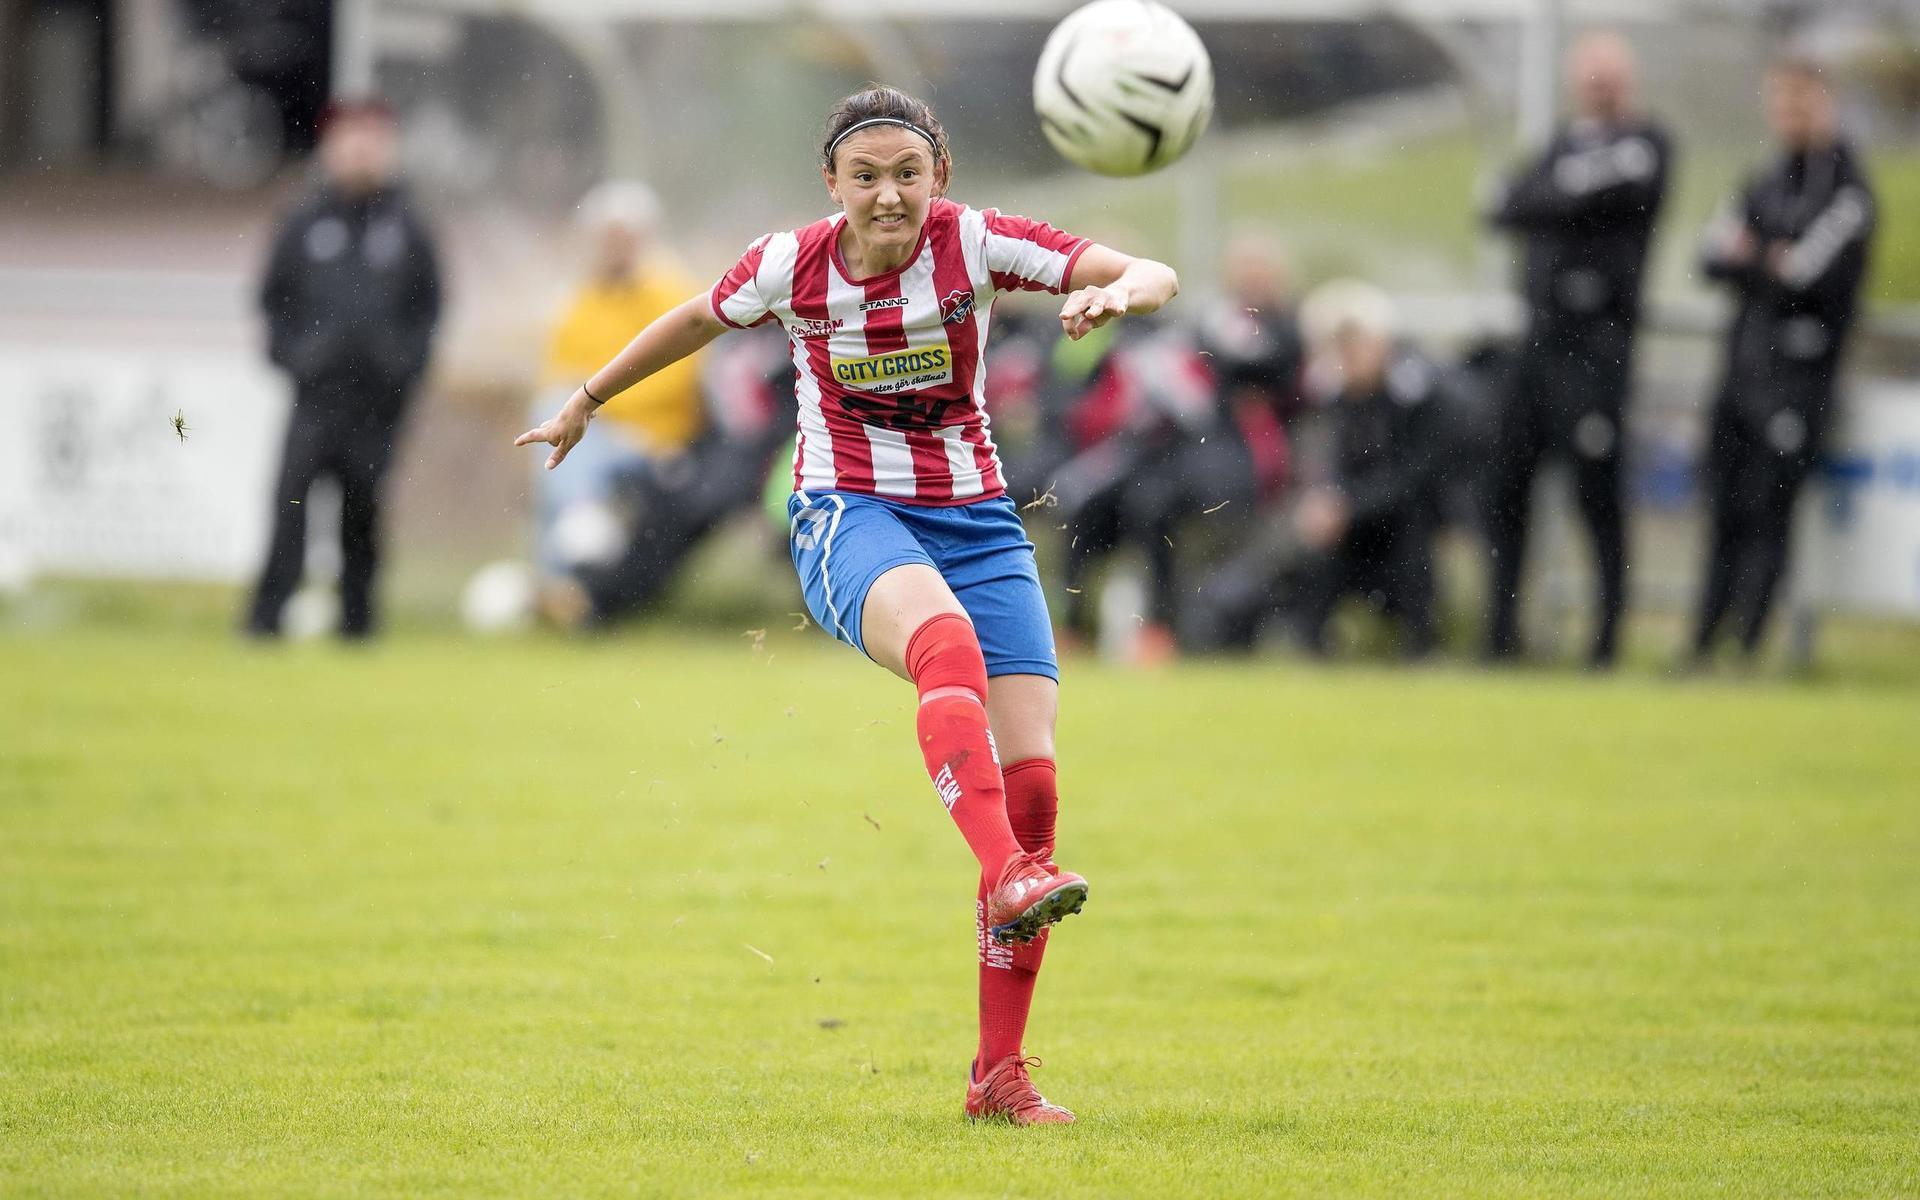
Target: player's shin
column 943, row 658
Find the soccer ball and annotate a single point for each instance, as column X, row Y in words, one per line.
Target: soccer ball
column 499, row 599
column 1123, row 87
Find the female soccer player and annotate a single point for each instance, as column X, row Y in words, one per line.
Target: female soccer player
column 907, row 546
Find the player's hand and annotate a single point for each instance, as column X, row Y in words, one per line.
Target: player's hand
column 1090, row 308
column 563, row 430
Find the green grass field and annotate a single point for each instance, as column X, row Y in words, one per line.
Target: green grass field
column 667, row 915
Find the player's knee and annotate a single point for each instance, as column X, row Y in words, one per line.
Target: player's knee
column 944, row 654
column 1021, row 739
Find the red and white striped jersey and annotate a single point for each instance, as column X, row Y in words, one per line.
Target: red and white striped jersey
column 891, row 371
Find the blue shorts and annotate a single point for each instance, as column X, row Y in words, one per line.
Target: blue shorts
column 843, row 541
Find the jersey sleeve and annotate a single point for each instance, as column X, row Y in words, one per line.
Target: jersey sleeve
column 1830, row 242
column 1568, row 188
column 1029, row 256
column 738, row 298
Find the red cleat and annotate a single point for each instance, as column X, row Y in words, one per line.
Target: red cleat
column 1007, row 1091
column 1032, row 893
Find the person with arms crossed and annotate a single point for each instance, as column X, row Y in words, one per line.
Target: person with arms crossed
column 1793, row 248
column 905, row 541
column 1584, row 212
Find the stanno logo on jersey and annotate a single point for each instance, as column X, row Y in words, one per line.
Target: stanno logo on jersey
column 889, row 302
column 957, row 307
column 896, row 370
column 817, row 329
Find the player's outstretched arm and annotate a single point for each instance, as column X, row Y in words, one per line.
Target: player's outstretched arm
column 670, row 338
column 1108, row 284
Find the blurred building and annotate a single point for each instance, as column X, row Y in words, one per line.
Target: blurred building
column 223, row 90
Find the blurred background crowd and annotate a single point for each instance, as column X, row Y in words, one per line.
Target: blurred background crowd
column 1511, row 328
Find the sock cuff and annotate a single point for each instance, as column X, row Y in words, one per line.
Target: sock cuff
column 1033, row 801
column 945, row 653
column 1026, row 765
column 1033, row 788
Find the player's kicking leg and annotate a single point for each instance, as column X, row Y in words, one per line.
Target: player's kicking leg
column 912, row 624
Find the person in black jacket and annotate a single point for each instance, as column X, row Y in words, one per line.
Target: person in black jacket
column 1369, row 527
column 1584, row 212
column 1156, row 442
column 1365, row 519
column 1251, row 338
column 351, row 297
column 1793, row 247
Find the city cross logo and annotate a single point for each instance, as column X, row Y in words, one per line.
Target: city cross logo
column 957, row 307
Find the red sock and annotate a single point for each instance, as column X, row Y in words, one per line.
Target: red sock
column 1008, row 973
column 943, row 659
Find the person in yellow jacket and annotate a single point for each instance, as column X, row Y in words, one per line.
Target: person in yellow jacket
column 629, row 286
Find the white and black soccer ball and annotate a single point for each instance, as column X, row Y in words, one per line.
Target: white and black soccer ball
column 1123, row 87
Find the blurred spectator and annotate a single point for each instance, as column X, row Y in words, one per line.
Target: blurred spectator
column 1061, row 378
column 1365, row 526
column 351, row 297
column 1793, row 248
column 665, row 506
column 1584, row 212
column 626, row 289
column 1173, row 423
column 1251, row 337
column 1023, row 390
column 1151, row 441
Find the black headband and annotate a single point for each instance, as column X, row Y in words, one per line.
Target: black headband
column 857, row 126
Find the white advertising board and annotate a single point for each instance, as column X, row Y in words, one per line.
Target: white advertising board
column 96, row 480
column 1865, row 551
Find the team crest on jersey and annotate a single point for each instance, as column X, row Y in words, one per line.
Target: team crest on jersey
column 817, row 329
column 957, row 307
